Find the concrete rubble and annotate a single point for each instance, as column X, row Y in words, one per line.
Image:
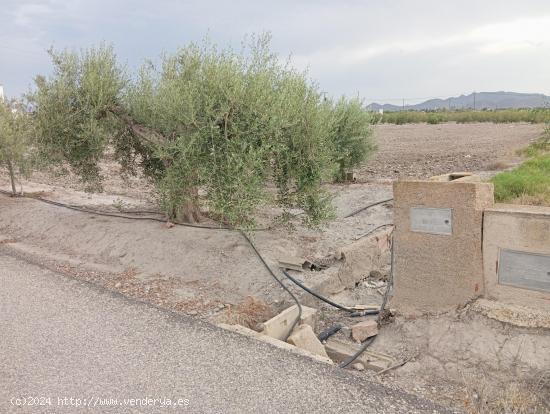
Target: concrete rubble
column 356, row 260
column 304, row 341
column 364, row 330
column 279, row 326
column 304, row 337
column 275, row 342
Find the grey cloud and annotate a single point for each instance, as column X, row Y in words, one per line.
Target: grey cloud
column 374, row 48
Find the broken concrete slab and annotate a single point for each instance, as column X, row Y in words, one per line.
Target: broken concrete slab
column 364, row 330
column 358, row 259
column 303, row 337
column 275, row 342
column 339, row 351
column 279, row 326
column 513, row 314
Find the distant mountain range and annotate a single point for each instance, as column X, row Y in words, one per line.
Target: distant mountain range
column 481, row 100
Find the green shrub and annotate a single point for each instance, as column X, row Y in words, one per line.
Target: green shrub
column 15, row 140
column 435, row 118
column 532, row 178
column 351, row 134
column 211, row 128
column 540, row 146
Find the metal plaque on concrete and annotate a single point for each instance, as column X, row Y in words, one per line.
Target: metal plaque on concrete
column 525, row 270
column 432, row 220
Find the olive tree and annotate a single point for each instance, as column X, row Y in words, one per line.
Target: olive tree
column 351, row 134
column 215, row 130
column 14, row 140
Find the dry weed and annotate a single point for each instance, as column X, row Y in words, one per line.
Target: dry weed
column 249, row 313
column 533, row 200
column 486, row 395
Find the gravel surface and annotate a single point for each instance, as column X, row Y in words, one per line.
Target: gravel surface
column 65, row 338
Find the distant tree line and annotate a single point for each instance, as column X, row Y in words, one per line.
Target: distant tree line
column 541, row 115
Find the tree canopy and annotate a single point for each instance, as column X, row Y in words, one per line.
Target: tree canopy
column 15, row 135
column 215, row 130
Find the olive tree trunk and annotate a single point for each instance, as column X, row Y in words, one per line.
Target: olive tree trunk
column 12, row 176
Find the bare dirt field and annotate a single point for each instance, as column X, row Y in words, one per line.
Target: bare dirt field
column 423, row 150
column 459, row 359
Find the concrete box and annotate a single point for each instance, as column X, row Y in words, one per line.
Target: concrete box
column 437, row 243
column 516, row 255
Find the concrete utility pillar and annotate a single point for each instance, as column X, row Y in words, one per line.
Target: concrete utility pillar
column 438, row 238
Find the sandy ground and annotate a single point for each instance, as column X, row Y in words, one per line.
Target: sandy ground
column 216, row 276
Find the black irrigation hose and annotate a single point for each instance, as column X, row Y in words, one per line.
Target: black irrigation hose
column 367, row 207
column 123, row 216
column 297, row 320
column 370, row 340
column 327, row 333
column 125, row 211
column 317, row 295
column 373, row 230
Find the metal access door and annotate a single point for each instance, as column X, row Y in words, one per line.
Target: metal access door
column 524, row 270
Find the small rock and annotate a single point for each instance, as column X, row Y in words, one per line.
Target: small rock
column 364, row 330
column 117, row 285
column 358, row 366
column 192, row 312
column 169, row 225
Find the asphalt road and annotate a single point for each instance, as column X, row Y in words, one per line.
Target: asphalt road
column 67, row 346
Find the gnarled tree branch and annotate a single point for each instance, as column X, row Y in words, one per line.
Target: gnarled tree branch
column 148, row 135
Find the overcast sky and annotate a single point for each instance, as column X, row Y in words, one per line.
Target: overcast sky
column 382, row 50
